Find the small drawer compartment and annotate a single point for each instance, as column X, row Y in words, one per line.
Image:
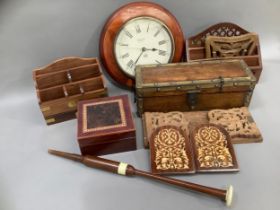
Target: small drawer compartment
column 73, row 89
column 51, row 94
column 92, row 84
column 84, row 72
column 47, row 81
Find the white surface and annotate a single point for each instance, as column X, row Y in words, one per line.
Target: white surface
column 35, row 32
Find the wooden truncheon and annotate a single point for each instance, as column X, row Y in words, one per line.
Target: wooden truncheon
column 63, row 83
column 205, row 85
column 225, row 41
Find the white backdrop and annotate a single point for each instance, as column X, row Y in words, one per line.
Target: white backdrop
column 33, row 33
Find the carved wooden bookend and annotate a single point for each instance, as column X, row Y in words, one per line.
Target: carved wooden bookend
column 230, row 35
column 154, row 120
column 157, row 119
column 105, row 126
column 230, row 46
column 238, row 122
column 213, row 149
column 171, row 151
column 63, row 83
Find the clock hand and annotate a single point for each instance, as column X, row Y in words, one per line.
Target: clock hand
column 143, row 50
column 155, row 49
column 134, row 48
column 161, row 52
column 152, row 49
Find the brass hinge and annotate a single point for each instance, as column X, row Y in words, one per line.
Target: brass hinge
column 50, row 120
column 72, row 104
column 45, row 108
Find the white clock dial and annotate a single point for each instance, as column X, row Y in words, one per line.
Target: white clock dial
column 142, row 41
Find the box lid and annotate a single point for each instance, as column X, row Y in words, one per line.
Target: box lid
column 104, row 120
column 193, row 76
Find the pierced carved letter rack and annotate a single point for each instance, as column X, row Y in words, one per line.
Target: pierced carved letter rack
column 226, row 41
column 230, row 46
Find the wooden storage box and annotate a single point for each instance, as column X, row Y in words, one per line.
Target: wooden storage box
column 105, row 126
column 195, row 45
column 194, row 86
column 63, row 83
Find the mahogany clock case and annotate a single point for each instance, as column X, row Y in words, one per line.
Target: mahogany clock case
column 196, row 45
column 105, row 126
column 117, row 21
column 61, row 84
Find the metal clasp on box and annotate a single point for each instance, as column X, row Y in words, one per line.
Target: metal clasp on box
column 192, row 98
column 222, row 82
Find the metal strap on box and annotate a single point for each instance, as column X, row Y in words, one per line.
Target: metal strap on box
column 194, row 85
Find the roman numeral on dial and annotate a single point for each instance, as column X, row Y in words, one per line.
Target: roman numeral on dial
column 162, row 42
column 127, row 33
column 137, row 28
column 130, row 64
column 162, row 52
column 158, row 31
column 125, row 55
column 123, row 45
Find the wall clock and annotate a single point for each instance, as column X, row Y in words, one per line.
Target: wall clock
column 139, row 33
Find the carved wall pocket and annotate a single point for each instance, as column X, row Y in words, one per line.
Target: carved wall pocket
column 230, row 46
column 238, row 122
column 212, row 149
column 171, row 151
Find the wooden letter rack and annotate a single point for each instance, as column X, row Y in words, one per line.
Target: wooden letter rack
column 63, row 83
